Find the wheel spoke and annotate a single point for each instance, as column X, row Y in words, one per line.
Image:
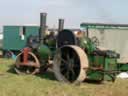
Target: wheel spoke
column 63, row 69
column 66, row 62
column 68, row 58
column 67, row 74
column 73, row 74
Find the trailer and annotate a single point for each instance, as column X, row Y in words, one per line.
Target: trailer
column 15, row 38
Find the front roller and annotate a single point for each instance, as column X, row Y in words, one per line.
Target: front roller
column 27, row 62
column 70, row 64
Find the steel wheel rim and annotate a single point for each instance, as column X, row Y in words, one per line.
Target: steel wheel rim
column 26, row 69
column 81, row 73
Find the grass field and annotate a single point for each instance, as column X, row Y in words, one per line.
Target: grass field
column 12, row 84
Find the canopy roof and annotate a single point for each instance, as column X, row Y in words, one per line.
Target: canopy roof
column 104, row 26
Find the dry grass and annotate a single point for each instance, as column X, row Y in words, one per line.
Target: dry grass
column 12, row 84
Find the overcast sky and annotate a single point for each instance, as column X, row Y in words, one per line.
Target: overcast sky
column 21, row 12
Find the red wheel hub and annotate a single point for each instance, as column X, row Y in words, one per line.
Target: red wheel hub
column 25, row 55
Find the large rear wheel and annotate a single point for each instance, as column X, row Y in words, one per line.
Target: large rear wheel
column 70, row 64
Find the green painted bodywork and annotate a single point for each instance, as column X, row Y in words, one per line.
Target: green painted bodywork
column 110, row 65
column 51, row 43
column 100, row 67
column 12, row 39
column 122, row 67
column 86, row 42
column 44, row 52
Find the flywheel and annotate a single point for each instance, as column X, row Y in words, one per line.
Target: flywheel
column 70, row 64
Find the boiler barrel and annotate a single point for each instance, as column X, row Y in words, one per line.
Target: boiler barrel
column 44, row 52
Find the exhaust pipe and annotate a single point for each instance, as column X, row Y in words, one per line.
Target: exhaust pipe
column 60, row 25
column 43, row 17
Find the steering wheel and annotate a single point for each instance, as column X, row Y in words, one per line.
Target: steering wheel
column 95, row 40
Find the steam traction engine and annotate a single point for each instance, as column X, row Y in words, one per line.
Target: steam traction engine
column 79, row 58
column 74, row 58
column 38, row 53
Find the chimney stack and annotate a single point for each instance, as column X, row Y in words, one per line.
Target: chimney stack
column 43, row 17
column 61, row 25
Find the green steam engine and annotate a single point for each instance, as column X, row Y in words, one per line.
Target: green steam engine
column 72, row 57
